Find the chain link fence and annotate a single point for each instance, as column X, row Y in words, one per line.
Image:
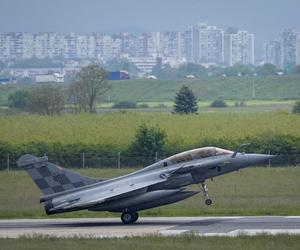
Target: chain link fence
column 87, row 160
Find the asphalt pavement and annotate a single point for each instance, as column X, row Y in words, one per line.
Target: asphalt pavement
column 173, row 226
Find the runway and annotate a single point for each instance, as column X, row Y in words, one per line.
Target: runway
column 165, row 226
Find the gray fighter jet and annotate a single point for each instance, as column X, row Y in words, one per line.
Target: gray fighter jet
column 159, row 184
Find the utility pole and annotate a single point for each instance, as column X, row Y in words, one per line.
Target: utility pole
column 253, row 89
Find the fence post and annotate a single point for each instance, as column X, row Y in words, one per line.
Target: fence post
column 8, row 163
column 269, row 159
column 119, row 160
column 83, row 160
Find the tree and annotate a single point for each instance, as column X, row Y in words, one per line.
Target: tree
column 46, row 100
column 18, row 99
column 218, row 104
column 267, row 69
column 192, row 69
column 148, row 141
column 125, row 105
column 296, row 108
column 185, row 101
column 296, row 70
column 238, row 69
column 90, row 84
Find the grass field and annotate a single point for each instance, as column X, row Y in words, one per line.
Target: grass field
column 252, row 106
column 116, row 131
column 167, row 243
column 253, row 191
column 230, row 88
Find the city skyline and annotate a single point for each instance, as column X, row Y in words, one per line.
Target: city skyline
column 202, row 44
column 263, row 18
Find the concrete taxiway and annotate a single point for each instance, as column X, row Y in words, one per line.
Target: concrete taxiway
column 112, row 227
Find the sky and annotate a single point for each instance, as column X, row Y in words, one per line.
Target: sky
column 265, row 18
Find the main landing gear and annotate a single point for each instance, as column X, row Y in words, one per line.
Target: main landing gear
column 204, row 190
column 129, row 217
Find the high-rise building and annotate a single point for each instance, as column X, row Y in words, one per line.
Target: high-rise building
column 187, row 45
column 149, row 45
column 55, row 45
column 204, row 44
column 272, row 53
column 111, row 47
column 70, row 46
column 129, row 45
column 15, row 45
column 288, row 41
column 82, row 47
column 298, row 49
column 170, row 44
column 4, row 47
column 28, row 44
column 171, row 48
column 238, row 47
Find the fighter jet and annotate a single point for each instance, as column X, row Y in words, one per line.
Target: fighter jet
column 161, row 183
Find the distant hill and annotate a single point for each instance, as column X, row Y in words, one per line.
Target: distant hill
column 229, row 88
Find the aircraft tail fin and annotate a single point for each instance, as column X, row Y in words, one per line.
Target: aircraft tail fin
column 51, row 178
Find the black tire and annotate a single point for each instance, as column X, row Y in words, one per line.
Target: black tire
column 136, row 217
column 208, row 202
column 128, row 217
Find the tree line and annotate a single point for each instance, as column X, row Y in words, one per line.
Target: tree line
column 49, row 99
column 84, row 93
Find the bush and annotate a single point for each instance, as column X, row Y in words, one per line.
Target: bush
column 149, row 141
column 143, row 106
column 241, row 103
column 125, row 105
column 18, row 99
column 296, row 108
column 218, row 104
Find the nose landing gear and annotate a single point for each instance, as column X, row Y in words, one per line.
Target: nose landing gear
column 204, row 190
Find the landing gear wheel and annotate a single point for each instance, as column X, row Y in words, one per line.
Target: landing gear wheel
column 204, row 190
column 136, row 217
column 129, row 217
column 208, row 202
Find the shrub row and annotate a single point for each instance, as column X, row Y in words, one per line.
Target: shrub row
column 71, row 154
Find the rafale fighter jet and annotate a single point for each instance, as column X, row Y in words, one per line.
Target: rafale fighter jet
column 159, row 184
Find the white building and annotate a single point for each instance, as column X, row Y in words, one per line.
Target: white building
column 148, row 45
column 289, row 51
column 70, row 46
column 272, row 53
column 4, row 47
column 170, row 45
column 111, row 47
column 145, row 65
column 15, row 45
column 204, row 44
column 81, row 47
column 238, row 47
column 28, row 46
column 298, row 49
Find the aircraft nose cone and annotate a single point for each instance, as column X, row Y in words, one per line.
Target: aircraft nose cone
column 262, row 157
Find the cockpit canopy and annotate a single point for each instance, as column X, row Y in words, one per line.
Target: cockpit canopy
column 198, row 153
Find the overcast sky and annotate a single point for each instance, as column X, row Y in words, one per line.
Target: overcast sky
column 265, row 18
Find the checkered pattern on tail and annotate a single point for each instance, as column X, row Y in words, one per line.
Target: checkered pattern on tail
column 51, row 178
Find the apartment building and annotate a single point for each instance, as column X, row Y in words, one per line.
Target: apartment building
column 238, row 47
column 272, row 53
column 289, row 50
